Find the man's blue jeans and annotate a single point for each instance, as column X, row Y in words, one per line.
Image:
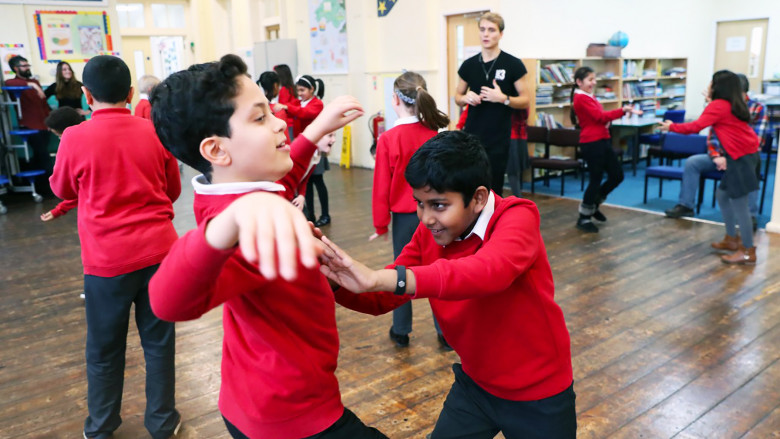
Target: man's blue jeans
column 696, row 165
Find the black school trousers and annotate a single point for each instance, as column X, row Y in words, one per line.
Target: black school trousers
column 348, row 426
column 472, row 413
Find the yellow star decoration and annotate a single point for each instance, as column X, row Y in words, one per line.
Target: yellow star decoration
column 382, row 7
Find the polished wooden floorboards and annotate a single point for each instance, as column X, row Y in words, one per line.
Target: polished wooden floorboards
column 666, row 340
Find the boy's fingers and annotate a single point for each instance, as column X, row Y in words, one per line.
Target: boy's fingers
column 246, row 240
column 264, row 240
column 308, row 244
column 286, row 244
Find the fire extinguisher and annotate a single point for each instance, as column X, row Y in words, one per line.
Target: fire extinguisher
column 376, row 124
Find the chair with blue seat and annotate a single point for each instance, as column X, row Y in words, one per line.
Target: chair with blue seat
column 682, row 145
column 3, row 190
column 656, row 139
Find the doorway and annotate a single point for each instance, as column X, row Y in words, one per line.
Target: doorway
column 740, row 47
column 462, row 43
column 138, row 56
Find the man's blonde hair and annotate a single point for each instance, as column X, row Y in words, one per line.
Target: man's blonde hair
column 494, row 18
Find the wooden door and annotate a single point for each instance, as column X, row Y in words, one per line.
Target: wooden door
column 462, row 43
column 740, row 47
column 137, row 53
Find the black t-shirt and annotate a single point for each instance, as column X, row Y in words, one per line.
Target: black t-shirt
column 491, row 121
column 63, row 102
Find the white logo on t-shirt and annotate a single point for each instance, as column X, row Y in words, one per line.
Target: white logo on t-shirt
column 500, row 74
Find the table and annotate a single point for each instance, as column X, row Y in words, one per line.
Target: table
column 634, row 125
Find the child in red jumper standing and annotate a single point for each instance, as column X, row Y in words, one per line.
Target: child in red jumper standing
column 315, row 177
column 481, row 262
column 418, row 121
column 287, row 93
column 280, row 347
column 728, row 115
column 595, row 146
column 145, row 85
column 125, row 183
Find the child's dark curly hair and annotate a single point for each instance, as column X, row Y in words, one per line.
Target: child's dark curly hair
column 194, row 104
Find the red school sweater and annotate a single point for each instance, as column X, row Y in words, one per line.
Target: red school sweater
column 125, row 182
column 494, row 301
column 280, row 345
column 391, row 192
column 143, row 109
column 593, row 120
column 304, row 113
column 736, row 136
column 286, row 98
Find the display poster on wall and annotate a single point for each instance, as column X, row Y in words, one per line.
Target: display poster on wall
column 73, row 36
column 167, row 55
column 328, row 34
column 8, row 51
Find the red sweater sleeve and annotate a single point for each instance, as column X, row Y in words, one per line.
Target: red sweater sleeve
column 301, row 152
column 588, row 110
column 63, row 182
column 64, row 207
column 507, row 253
column 309, row 112
column 185, row 285
column 380, row 203
column 712, row 113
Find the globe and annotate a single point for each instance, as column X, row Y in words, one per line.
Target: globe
column 619, row 39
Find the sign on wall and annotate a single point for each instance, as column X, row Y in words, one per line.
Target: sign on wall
column 73, row 36
column 328, row 33
column 8, row 51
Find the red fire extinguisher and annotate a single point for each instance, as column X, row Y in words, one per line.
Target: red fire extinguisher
column 376, row 124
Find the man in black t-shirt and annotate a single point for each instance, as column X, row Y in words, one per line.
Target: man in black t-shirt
column 491, row 83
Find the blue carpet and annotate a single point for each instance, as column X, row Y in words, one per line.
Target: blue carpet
column 630, row 192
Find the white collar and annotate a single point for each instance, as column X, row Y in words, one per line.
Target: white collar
column 203, row 187
column 304, row 103
column 582, row 92
column 480, row 227
column 143, row 96
column 406, row 120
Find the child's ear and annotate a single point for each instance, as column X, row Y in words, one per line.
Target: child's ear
column 211, row 148
column 88, row 95
column 480, row 198
column 130, row 95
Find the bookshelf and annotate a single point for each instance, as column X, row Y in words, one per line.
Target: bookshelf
column 654, row 84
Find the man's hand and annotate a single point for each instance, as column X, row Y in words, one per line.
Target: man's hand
column 720, row 163
column 37, row 89
column 493, row 94
column 299, row 201
column 338, row 267
column 341, row 111
column 265, row 225
column 471, row 98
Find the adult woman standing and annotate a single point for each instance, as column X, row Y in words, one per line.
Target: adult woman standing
column 67, row 89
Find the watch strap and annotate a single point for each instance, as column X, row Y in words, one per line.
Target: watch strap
column 400, row 283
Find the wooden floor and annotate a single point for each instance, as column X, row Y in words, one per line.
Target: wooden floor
column 666, row 340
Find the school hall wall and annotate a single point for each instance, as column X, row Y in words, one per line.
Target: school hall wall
column 17, row 26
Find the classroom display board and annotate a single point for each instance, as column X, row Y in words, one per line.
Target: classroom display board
column 328, row 31
column 8, row 51
column 73, row 36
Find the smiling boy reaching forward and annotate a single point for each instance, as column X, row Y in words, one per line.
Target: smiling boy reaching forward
column 481, row 261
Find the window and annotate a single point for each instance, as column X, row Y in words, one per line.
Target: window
column 168, row 16
column 131, row 15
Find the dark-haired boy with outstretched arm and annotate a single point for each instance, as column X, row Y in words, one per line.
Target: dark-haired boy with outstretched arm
column 280, row 346
column 481, row 262
column 125, row 183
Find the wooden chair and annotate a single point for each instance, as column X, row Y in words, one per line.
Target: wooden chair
column 565, row 138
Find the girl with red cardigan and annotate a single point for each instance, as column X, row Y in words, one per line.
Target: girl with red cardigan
column 596, row 146
column 728, row 115
column 287, row 93
column 418, row 120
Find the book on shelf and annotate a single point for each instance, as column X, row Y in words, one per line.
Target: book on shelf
column 674, row 71
column 633, row 68
column 547, row 120
column 557, row 73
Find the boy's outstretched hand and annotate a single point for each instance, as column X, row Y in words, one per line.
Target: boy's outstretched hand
column 265, row 225
column 48, row 216
column 339, row 112
column 343, row 270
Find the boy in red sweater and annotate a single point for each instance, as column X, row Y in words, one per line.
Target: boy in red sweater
column 57, row 121
column 125, row 183
column 280, row 345
column 481, row 262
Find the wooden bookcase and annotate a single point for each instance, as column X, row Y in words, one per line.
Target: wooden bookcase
column 647, row 82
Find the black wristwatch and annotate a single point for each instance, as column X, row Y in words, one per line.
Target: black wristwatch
column 400, row 283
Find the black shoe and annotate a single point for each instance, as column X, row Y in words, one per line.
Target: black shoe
column 402, row 341
column 679, row 211
column 443, row 343
column 598, row 216
column 755, row 223
column 323, row 221
column 587, row 226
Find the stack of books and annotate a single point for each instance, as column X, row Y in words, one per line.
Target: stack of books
column 674, row 71
column 544, row 94
column 546, row 120
column 557, row 73
column 633, row 68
